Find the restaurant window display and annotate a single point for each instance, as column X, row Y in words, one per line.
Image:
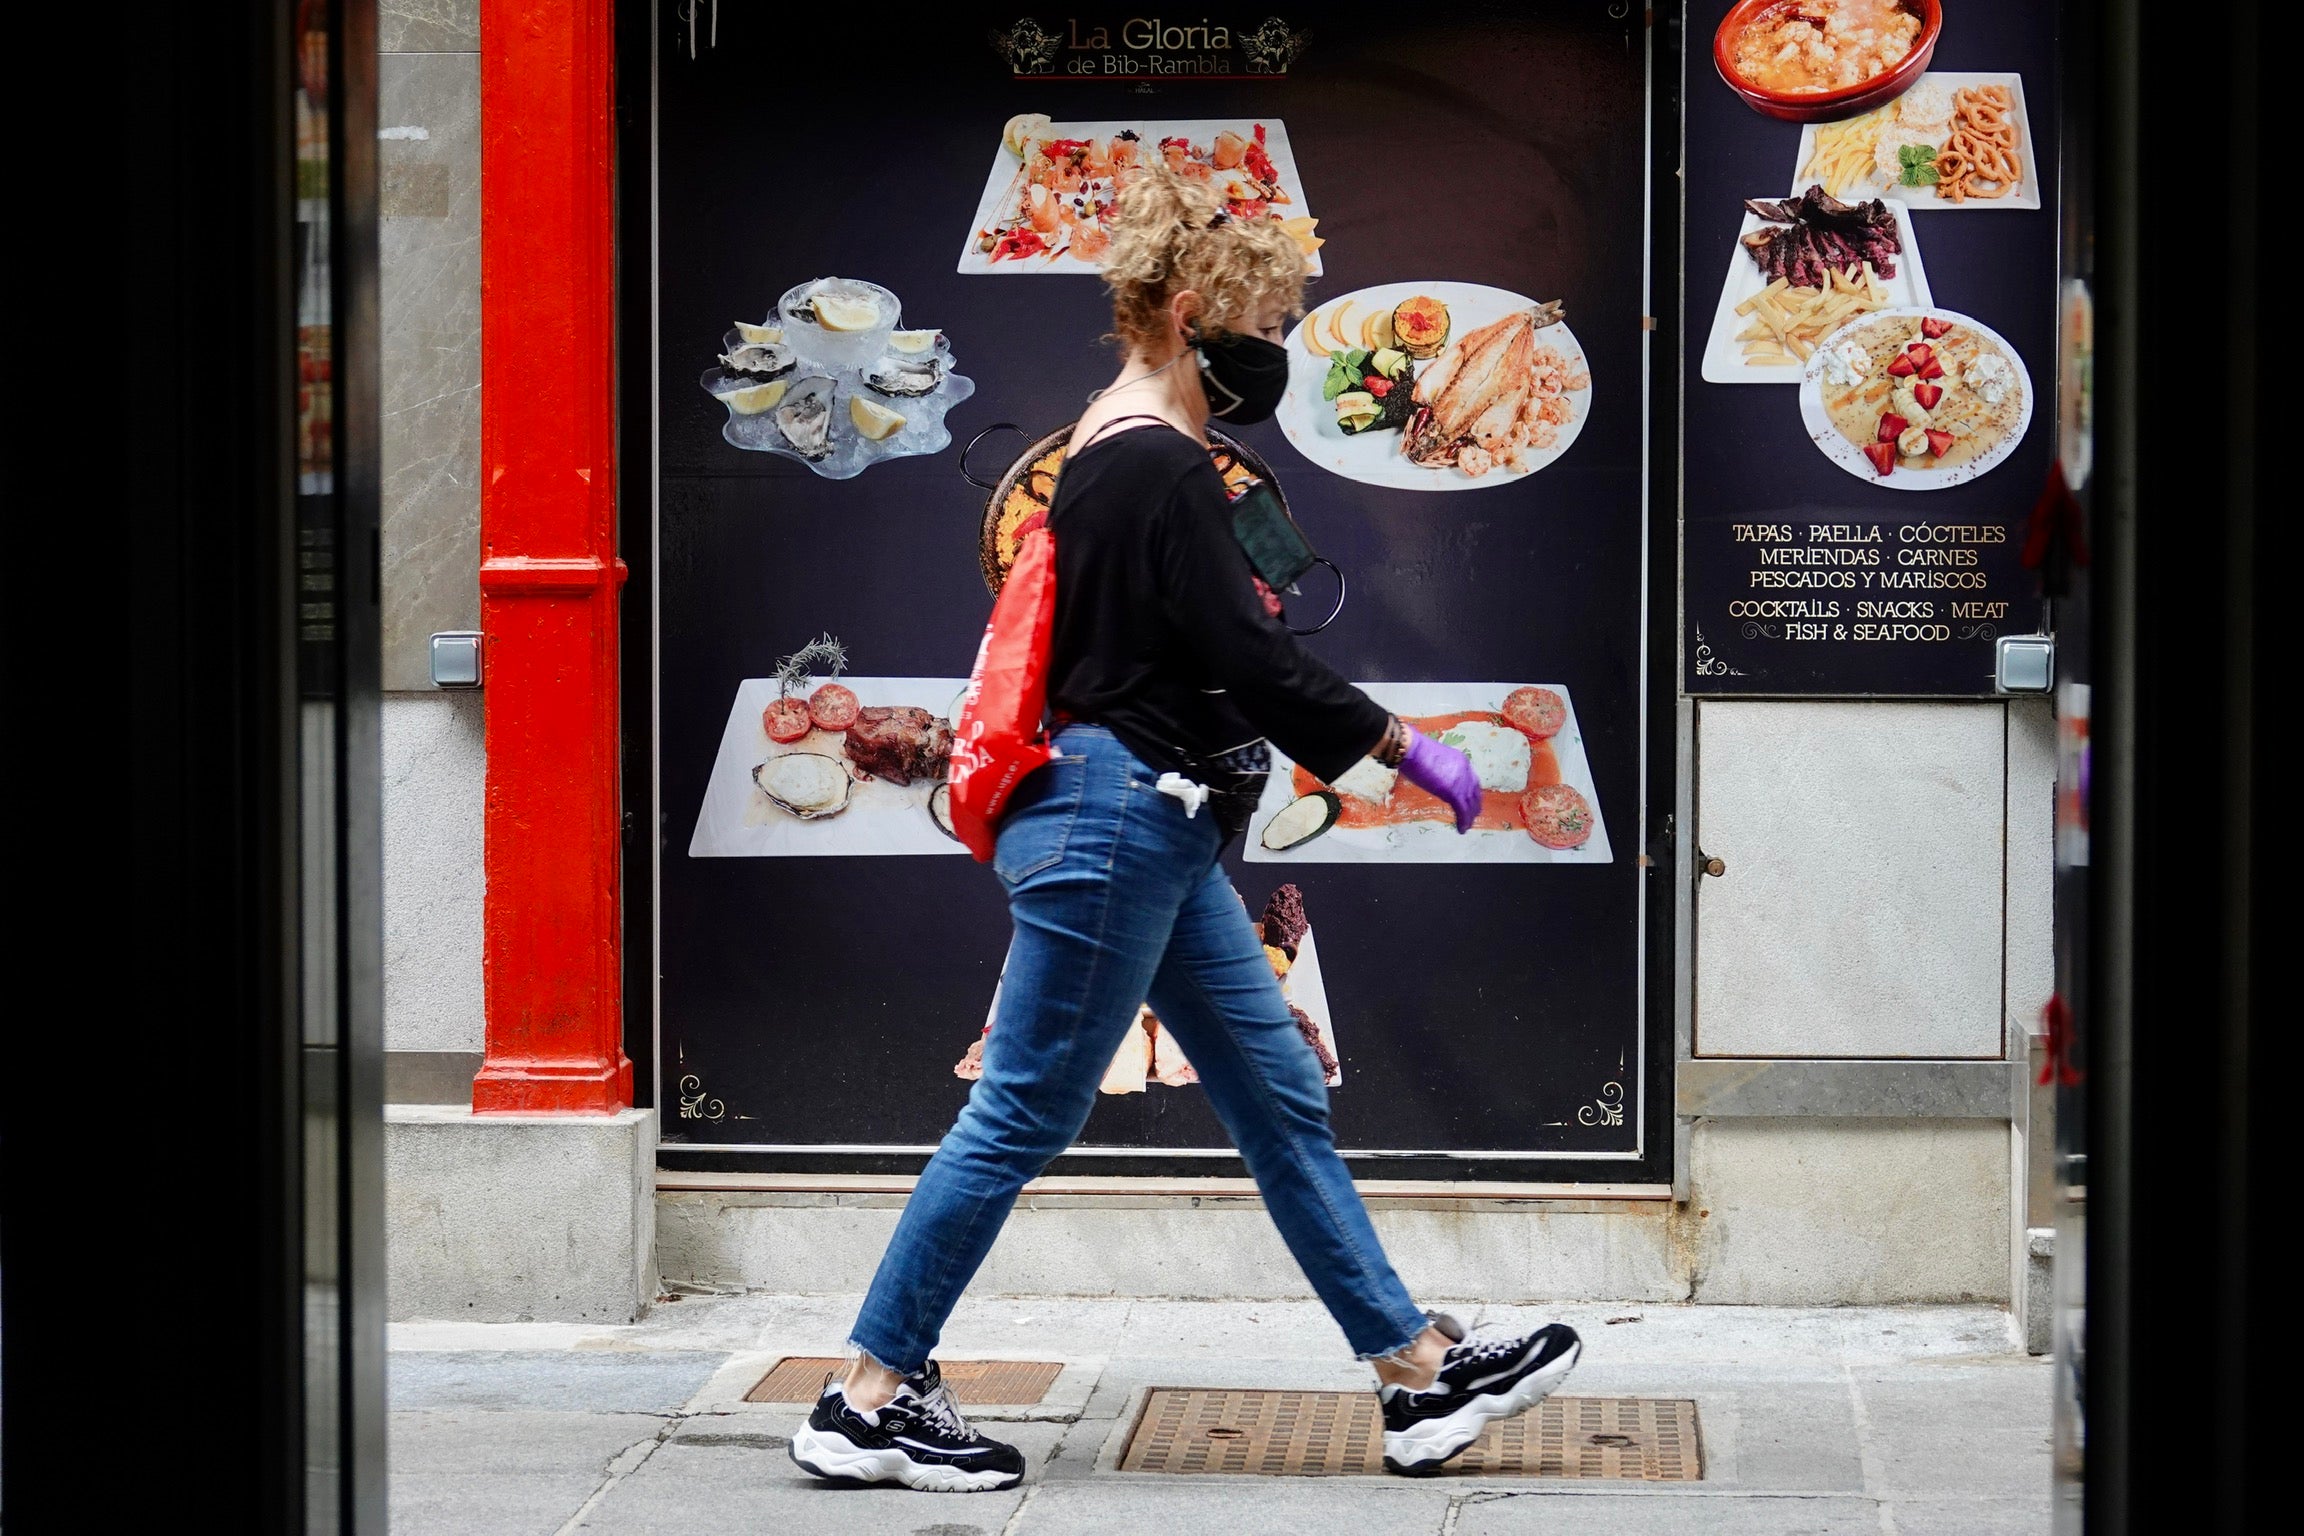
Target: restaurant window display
column 876, row 311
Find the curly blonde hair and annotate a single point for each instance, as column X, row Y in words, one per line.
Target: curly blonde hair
column 1171, row 235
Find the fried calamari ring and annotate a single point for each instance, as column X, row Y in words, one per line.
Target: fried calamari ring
column 1979, row 159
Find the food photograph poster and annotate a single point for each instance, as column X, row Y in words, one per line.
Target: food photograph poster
column 1869, row 450
column 877, row 313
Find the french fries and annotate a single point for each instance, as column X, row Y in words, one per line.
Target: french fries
column 1841, row 155
column 1788, row 322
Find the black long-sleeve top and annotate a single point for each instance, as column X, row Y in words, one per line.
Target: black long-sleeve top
column 1162, row 632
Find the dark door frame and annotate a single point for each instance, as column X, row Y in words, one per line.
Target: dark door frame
column 197, row 1111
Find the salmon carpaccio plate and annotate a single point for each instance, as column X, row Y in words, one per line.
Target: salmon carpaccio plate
column 1403, row 802
column 1535, row 787
column 1539, row 801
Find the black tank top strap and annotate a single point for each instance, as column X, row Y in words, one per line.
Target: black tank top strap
column 1097, row 436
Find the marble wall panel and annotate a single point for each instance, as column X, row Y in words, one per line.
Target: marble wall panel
column 1837, row 1213
column 2031, row 860
column 435, row 889
column 429, row 185
column 428, row 26
column 1861, row 913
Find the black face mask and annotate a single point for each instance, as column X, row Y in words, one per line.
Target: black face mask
column 1244, row 376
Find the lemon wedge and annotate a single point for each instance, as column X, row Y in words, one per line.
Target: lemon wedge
column 757, row 398
column 874, row 420
column 759, row 335
column 846, row 311
column 912, row 343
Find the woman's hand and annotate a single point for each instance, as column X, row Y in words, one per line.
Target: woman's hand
column 1443, row 771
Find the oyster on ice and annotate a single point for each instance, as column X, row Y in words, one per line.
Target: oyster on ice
column 805, row 418
column 808, row 784
column 908, row 377
column 760, row 361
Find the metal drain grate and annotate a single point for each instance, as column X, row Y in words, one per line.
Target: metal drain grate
column 1010, row 1383
column 1329, row 1434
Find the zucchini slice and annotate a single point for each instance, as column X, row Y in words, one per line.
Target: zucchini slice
column 1301, row 820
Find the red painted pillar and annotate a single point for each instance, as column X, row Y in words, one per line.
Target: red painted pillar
column 548, row 568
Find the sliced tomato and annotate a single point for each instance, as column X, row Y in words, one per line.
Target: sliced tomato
column 833, row 707
column 1259, row 161
column 1557, row 816
column 786, row 720
column 1536, row 713
column 1019, row 242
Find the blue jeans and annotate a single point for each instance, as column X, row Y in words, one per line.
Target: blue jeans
column 1118, row 900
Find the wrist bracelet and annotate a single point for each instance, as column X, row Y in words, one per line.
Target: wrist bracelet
column 1394, row 745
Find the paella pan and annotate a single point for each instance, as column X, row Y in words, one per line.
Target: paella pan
column 1021, row 497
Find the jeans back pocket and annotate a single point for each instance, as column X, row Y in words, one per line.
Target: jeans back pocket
column 1039, row 820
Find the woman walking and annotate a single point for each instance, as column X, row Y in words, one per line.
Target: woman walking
column 1169, row 671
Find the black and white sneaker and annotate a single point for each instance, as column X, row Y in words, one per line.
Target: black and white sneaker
column 1480, row 1379
column 918, row 1439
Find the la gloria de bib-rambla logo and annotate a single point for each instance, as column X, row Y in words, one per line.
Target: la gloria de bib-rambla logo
column 1139, row 47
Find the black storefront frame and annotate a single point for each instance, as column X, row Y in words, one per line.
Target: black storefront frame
column 639, row 33
column 216, row 935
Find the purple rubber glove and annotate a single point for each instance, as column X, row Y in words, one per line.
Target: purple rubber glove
column 1443, row 771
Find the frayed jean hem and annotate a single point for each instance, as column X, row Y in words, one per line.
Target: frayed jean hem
column 856, row 1351
column 1396, row 1351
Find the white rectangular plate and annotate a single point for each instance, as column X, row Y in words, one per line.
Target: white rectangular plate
column 737, row 821
column 1303, row 985
column 1724, row 355
column 1308, row 990
column 1432, row 842
column 1007, row 169
column 2026, row 195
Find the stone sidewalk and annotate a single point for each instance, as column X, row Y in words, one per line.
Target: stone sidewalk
column 1912, row 1421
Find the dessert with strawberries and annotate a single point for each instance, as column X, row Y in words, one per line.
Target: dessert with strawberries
column 1920, row 391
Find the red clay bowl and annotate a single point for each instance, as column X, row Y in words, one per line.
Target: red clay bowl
column 1823, row 106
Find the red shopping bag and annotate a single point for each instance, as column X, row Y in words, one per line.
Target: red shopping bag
column 997, row 739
